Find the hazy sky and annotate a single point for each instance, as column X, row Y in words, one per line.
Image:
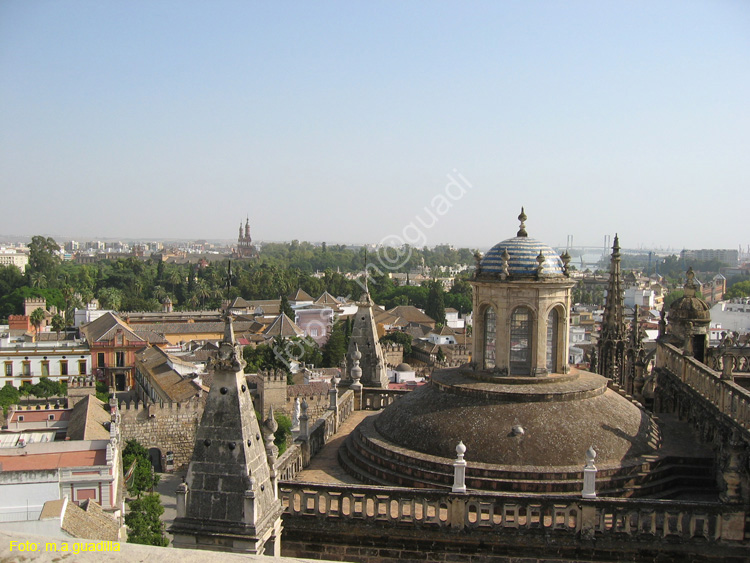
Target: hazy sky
column 341, row 121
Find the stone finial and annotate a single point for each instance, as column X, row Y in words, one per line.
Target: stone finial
column 540, row 260
column 589, row 475
column 459, row 470
column 505, row 272
column 565, row 260
column 304, row 421
column 522, row 230
column 690, row 286
column 356, row 370
column 295, row 414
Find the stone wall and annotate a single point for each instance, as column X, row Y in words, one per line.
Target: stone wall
column 170, row 428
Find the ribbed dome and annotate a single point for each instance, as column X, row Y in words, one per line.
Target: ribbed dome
column 522, row 262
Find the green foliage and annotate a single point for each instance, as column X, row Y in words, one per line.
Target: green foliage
column 47, row 388
column 435, row 307
column 673, row 296
column 739, row 289
column 283, row 435
column 144, row 479
column 42, row 257
column 142, row 520
column 399, row 338
column 102, row 392
column 9, row 395
column 36, row 318
column 12, row 303
column 286, row 308
column 336, row 347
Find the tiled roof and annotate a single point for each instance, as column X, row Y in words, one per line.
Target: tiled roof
column 411, row 314
column 89, row 522
column 105, row 327
column 327, row 299
column 301, row 295
column 154, row 363
column 88, row 420
column 42, row 462
column 283, row 326
column 151, row 337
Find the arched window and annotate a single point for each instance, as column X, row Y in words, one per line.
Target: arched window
column 520, row 341
column 490, row 333
column 552, row 335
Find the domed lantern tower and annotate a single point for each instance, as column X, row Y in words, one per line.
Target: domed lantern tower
column 522, row 305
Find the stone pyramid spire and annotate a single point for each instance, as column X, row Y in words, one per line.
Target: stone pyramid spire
column 613, row 336
column 228, row 501
column 364, row 338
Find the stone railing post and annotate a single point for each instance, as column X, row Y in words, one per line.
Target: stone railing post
column 181, row 499
column 589, row 475
column 250, row 508
column 459, row 470
column 727, row 367
column 304, row 422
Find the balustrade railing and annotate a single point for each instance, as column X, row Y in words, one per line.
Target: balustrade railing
column 375, row 399
column 496, row 512
column 729, row 398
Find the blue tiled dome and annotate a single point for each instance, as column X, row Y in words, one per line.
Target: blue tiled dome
column 523, row 252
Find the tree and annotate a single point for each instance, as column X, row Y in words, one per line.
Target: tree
column 283, row 433
column 143, row 477
column 435, row 307
column 399, row 337
column 335, row 349
column 110, row 298
column 58, row 324
column 143, row 522
column 286, row 308
column 37, row 318
column 46, row 388
column 9, row 395
column 739, row 289
column 43, row 256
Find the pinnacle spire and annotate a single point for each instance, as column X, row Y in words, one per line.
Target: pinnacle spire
column 522, row 230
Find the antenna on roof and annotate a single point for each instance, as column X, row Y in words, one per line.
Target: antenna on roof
column 229, row 278
column 367, row 290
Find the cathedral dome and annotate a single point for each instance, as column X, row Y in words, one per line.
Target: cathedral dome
column 524, row 255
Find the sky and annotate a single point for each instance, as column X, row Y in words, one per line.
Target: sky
column 426, row 122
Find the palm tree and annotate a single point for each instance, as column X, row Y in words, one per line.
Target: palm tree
column 58, row 324
column 38, row 279
column 37, row 318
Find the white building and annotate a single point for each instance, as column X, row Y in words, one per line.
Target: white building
column 9, row 257
column 452, row 318
column 26, row 362
column 732, row 315
column 641, row 297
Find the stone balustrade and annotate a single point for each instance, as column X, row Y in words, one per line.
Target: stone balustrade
column 730, row 399
column 298, row 455
column 495, row 512
column 375, row 398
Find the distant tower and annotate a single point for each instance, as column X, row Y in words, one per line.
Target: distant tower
column 689, row 319
column 613, row 338
column 245, row 248
column 229, row 500
column 365, row 338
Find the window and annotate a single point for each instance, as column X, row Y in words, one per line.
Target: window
column 26, row 368
column 51, row 417
column 120, row 359
column 100, row 359
column 45, row 369
column 552, row 334
column 82, row 367
column 520, row 341
column 20, row 418
column 313, row 332
column 8, row 369
column 63, row 367
column 490, row 333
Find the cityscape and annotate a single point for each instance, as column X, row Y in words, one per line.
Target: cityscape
column 374, row 282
